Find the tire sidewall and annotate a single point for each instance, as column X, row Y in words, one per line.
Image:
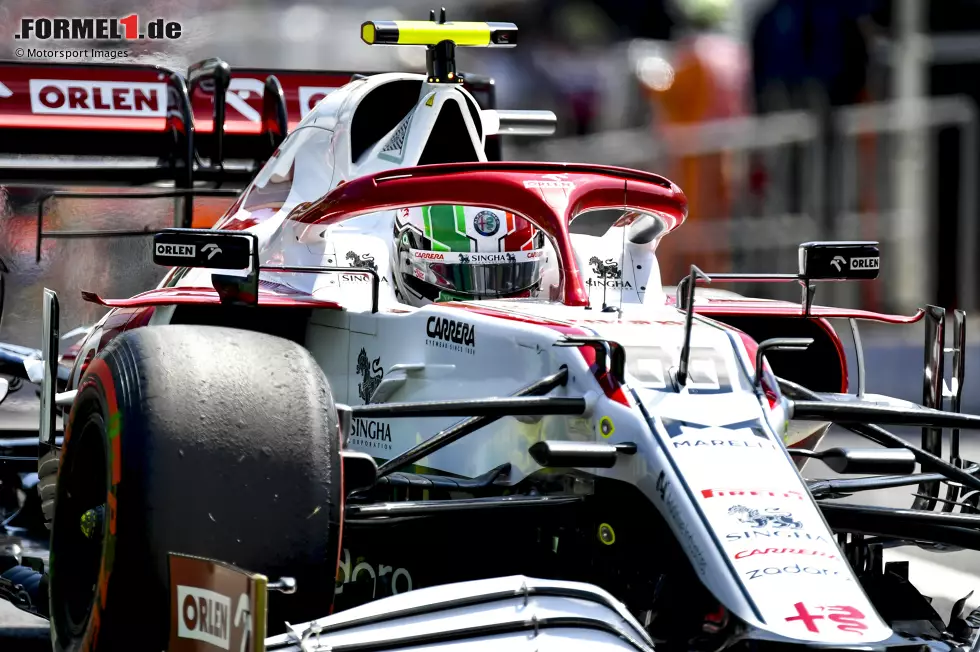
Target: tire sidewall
column 96, row 392
column 133, row 383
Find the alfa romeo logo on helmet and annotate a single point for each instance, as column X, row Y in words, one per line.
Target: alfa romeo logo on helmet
column 486, row 223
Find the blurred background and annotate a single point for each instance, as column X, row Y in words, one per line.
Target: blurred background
column 783, row 120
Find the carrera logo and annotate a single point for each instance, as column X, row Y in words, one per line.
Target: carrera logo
column 204, row 616
column 743, row 554
column 72, row 97
column 534, row 255
column 429, row 255
column 450, row 334
column 865, row 263
column 718, row 493
column 177, row 250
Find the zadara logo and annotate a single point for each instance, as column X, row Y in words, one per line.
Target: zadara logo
column 97, row 29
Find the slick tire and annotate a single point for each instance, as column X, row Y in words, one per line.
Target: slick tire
column 197, row 440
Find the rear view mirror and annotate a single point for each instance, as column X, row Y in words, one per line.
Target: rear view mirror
column 898, row 461
column 839, row 261
column 778, row 344
column 201, row 248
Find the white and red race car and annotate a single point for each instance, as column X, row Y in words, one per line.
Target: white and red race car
column 395, row 364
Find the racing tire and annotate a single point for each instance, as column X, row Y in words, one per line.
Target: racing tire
column 197, row 440
column 47, row 483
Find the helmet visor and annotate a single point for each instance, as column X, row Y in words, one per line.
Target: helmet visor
column 478, row 274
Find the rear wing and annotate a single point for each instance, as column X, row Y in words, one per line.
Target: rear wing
column 135, row 124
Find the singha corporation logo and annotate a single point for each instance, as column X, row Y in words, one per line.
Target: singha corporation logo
column 761, row 518
column 608, row 274
column 366, row 261
column 371, row 375
column 607, row 269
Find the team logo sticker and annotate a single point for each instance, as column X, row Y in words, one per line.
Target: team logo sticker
column 486, row 223
column 371, row 374
column 361, row 260
column 763, row 518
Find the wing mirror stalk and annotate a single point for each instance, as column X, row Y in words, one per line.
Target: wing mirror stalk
column 777, row 344
column 569, row 454
column 888, row 461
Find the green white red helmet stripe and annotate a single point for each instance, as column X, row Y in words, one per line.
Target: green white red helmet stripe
column 445, row 226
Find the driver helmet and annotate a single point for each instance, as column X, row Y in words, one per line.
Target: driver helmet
column 464, row 253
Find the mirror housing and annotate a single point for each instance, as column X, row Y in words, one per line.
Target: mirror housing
column 839, row 261
column 891, row 461
column 777, row 344
column 587, row 454
column 202, row 248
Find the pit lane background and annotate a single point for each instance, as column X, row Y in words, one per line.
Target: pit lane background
column 122, row 267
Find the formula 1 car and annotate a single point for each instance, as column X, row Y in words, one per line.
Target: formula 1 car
column 397, row 367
